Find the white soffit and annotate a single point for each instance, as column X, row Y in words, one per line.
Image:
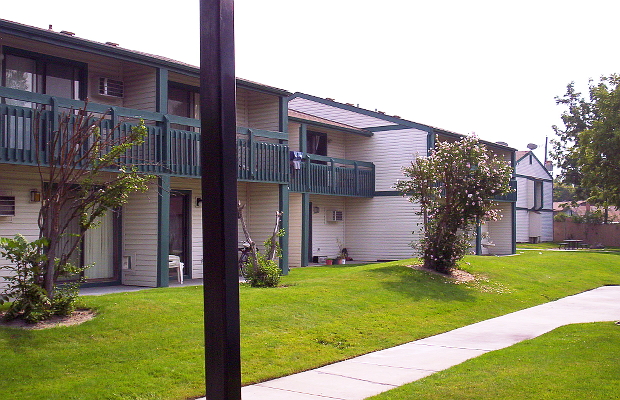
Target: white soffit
column 336, row 114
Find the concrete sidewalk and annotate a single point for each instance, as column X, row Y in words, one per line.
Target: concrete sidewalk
column 373, row 373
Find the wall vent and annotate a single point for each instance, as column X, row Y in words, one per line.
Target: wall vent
column 336, row 216
column 111, row 87
column 7, row 206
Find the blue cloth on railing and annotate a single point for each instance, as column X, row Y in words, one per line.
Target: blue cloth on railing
column 296, row 157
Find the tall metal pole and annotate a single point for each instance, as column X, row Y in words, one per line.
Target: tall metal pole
column 219, row 194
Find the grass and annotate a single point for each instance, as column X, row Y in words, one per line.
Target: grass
column 572, row 362
column 149, row 344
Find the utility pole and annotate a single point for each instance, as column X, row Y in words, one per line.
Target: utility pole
column 219, row 206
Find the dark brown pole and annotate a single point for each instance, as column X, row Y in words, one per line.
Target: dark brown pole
column 219, row 194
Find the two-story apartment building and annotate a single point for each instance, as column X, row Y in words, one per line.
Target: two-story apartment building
column 46, row 74
column 356, row 206
column 329, row 166
column 535, row 199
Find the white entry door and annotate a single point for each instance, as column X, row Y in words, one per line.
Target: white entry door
column 99, row 249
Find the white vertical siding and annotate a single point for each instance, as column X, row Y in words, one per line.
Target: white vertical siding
column 294, row 229
column 336, row 146
column 242, row 108
column 324, row 232
column 26, row 213
column 140, row 87
column 293, row 135
column 546, row 226
column 500, row 231
column 140, row 238
column 389, row 151
column 523, row 193
column 532, row 168
column 547, row 195
column 262, row 205
column 534, row 222
column 543, row 222
column 523, row 226
column 263, row 111
column 381, row 228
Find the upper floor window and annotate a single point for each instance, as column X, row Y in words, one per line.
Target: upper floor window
column 184, row 101
column 33, row 72
column 317, row 143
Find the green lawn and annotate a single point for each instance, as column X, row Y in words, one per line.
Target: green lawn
column 572, row 362
column 148, row 344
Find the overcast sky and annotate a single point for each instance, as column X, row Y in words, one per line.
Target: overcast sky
column 490, row 67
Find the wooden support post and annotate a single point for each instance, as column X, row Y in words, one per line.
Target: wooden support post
column 219, row 207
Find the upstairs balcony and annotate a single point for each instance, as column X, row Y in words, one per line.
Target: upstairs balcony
column 172, row 144
column 333, row 176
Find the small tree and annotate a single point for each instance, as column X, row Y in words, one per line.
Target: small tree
column 454, row 187
column 82, row 177
column 262, row 269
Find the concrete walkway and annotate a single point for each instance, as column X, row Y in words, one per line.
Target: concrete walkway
column 373, row 373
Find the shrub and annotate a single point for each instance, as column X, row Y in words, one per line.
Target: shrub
column 262, row 271
column 30, row 301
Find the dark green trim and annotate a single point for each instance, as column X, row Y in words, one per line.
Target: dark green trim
column 384, row 193
column 283, row 115
column 262, row 133
column 514, row 228
column 162, row 91
column 531, row 178
column 101, row 284
column 163, row 229
column 397, row 121
column 531, row 209
column 303, row 138
column 492, row 145
column 387, row 128
column 478, row 239
column 531, row 153
column 305, row 228
column 334, row 127
column 430, row 141
column 283, row 206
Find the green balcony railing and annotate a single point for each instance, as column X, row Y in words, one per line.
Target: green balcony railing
column 172, row 145
column 335, row 176
column 265, row 160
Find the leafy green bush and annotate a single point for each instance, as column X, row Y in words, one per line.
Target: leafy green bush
column 261, row 270
column 265, row 273
column 30, row 301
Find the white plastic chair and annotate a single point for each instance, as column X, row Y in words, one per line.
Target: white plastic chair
column 175, row 262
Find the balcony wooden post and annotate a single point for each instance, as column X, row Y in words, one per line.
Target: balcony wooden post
column 332, row 171
column 166, row 161
column 252, row 148
column 357, row 178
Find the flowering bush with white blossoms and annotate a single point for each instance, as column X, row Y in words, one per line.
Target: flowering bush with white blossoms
column 454, row 186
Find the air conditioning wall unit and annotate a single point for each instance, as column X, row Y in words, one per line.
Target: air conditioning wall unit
column 336, row 216
column 111, row 87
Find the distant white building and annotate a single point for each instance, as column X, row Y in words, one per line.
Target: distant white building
column 534, row 199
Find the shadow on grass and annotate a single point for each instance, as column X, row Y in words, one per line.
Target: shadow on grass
column 420, row 285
